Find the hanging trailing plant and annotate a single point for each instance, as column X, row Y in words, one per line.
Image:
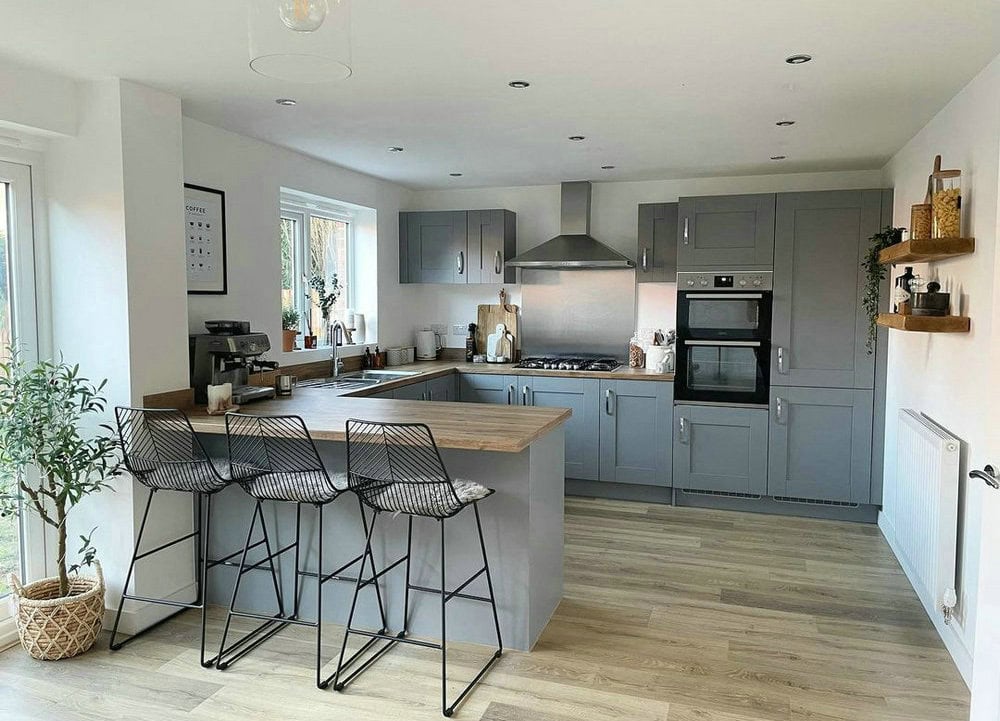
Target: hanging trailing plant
column 875, row 273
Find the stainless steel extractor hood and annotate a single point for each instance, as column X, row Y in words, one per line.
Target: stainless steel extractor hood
column 573, row 248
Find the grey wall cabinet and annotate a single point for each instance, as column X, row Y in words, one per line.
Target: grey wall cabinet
column 412, row 392
column 492, row 240
column 582, row 396
column 819, row 328
column 636, row 432
column 717, row 448
column 656, row 260
column 732, row 232
column 444, row 388
column 488, row 388
column 820, row 444
column 433, row 247
column 457, row 246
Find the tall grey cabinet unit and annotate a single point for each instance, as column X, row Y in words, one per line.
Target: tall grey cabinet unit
column 581, row 395
column 492, row 240
column 819, row 327
column 820, row 444
column 457, row 246
column 730, row 232
column 635, row 430
column 656, row 260
column 720, row 448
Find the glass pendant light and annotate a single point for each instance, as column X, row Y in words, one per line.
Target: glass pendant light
column 303, row 16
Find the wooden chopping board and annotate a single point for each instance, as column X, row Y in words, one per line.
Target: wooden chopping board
column 486, row 322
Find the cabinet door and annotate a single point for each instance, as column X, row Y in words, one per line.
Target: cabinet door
column 412, row 392
column 636, row 431
column 582, row 396
column 434, row 247
column 818, row 324
column 717, row 448
column 820, row 444
column 488, row 388
column 731, row 232
column 656, row 260
column 492, row 238
column 444, row 388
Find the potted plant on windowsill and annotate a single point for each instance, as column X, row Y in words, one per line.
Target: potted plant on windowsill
column 326, row 301
column 289, row 328
column 48, row 465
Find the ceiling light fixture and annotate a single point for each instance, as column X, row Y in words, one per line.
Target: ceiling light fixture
column 784, row 123
column 287, row 102
column 395, row 149
column 577, row 138
column 455, row 175
column 303, row 16
column 798, row 59
column 607, row 167
column 777, row 157
column 519, row 84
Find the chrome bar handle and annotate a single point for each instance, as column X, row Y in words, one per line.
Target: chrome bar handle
column 609, row 402
column 645, row 263
column 524, row 396
column 781, row 360
column 988, row 474
column 779, row 410
column 684, row 430
column 510, row 394
column 498, row 264
column 423, row 396
column 461, row 262
column 686, row 228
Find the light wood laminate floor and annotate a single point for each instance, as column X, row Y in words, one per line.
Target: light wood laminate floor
column 669, row 614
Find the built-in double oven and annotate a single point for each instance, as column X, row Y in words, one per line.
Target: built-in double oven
column 723, row 337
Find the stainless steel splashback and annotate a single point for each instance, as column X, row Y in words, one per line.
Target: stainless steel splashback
column 577, row 311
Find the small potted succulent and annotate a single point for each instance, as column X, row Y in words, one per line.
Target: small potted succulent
column 49, row 464
column 289, row 328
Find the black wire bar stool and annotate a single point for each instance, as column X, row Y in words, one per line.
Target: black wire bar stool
column 162, row 452
column 396, row 468
column 274, row 458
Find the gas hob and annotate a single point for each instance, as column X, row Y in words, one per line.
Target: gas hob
column 568, row 363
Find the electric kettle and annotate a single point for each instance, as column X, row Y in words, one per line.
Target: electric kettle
column 428, row 345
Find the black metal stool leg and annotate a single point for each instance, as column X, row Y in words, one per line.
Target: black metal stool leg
column 445, row 709
column 204, row 533
column 298, row 538
column 370, row 557
column 128, row 576
column 320, row 683
column 489, row 580
column 406, row 591
column 354, row 602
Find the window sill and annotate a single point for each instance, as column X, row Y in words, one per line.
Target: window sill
column 352, row 346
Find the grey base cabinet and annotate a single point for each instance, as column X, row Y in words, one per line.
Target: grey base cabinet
column 635, row 432
column 487, row 388
column 582, row 396
column 719, row 448
column 820, row 444
column 444, row 388
column 412, row 392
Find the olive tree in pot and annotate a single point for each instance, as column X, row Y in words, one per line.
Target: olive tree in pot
column 48, row 464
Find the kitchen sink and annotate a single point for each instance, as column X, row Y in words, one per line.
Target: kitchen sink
column 359, row 379
column 379, row 376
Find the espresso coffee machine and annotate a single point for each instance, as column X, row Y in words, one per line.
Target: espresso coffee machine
column 229, row 353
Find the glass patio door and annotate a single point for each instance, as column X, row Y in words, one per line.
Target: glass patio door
column 18, row 328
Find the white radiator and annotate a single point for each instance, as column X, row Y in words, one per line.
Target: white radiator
column 920, row 508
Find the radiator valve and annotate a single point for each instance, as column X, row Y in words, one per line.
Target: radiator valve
column 948, row 604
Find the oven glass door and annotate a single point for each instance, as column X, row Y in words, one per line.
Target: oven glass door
column 744, row 316
column 722, row 371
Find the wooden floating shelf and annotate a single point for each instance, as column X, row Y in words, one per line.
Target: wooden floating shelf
column 925, row 323
column 922, row 251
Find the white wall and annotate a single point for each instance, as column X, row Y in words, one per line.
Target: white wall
column 252, row 173
column 943, row 375
column 36, row 101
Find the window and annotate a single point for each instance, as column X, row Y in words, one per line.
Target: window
column 315, row 263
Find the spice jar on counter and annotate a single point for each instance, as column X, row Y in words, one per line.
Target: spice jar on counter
column 946, row 202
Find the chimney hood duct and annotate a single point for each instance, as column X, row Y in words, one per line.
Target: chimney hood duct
column 573, row 248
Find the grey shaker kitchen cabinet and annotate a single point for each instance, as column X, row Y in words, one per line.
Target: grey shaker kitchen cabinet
column 656, row 260
column 492, row 240
column 411, row 392
column 582, row 396
column 720, row 448
column 818, row 323
column 820, row 444
column 444, row 388
column 488, row 388
column 433, row 247
column 726, row 232
column 636, row 432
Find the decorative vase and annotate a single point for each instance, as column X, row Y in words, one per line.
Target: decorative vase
column 288, row 340
column 51, row 626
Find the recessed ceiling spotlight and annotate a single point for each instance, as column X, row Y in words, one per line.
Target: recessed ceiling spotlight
column 519, row 84
column 607, row 167
column 777, row 157
column 455, row 175
column 287, row 102
column 395, row 149
column 784, row 123
column 798, row 59
column 577, row 138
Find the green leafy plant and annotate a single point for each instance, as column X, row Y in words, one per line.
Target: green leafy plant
column 47, row 464
column 875, row 273
column 326, row 300
column 289, row 319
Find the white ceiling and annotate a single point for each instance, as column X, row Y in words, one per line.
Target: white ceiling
column 661, row 88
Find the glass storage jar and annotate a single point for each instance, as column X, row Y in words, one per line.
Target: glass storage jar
column 946, row 204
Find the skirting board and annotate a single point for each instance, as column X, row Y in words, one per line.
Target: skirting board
column 138, row 615
column 953, row 641
column 8, row 634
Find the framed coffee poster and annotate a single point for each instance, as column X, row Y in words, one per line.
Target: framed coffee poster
column 205, row 239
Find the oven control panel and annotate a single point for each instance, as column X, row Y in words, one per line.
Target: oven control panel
column 725, row 281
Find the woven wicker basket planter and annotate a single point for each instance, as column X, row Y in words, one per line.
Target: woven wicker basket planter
column 51, row 627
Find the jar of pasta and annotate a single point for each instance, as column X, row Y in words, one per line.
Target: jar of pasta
column 946, row 204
